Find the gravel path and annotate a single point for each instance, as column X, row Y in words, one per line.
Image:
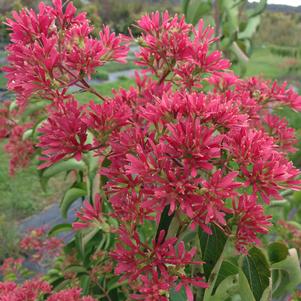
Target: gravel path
column 50, row 217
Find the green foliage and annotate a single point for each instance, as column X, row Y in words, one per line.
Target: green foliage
column 233, row 25
column 101, row 75
column 287, row 275
column 279, row 29
column 212, row 247
column 256, row 269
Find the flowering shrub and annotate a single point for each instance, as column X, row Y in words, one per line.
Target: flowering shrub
column 175, row 171
column 40, row 247
column 34, row 290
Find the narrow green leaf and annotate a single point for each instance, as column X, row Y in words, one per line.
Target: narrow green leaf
column 165, row 221
column 85, row 281
column 57, row 168
column 250, row 29
column 69, row 198
column 212, row 247
column 185, row 4
column 227, row 288
column 27, row 134
column 59, row 229
column 76, row 269
column 196, row 10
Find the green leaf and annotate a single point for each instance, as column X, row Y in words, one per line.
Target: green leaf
column 244, row 287
column 250, row 29
column 33, row 107
column 27, row 134
column 196, row 9
column 59, row 229
column 185, row 4
column 62, row 285
column 69, row 198
column 76, row 269
column 212, row 247
column 178, row 296
column 57, row 168
column 228, row 268
column 13, row 105
column 165, row 221
column 227, row 288
column 289, row 273
column 85, row 281
column 88, row 236
column 255, row 268
column 260, row 7
column 277, row 251
column 230, row 11
column 297, row 196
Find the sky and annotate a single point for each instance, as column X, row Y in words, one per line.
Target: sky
column 287, row 2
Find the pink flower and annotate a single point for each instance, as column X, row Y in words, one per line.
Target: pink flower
column 90, row 215
column 104, row 119
column 72, row 294
column 64, row 134
column 250, row 220
column 193, row 144
column 152, row 288
column 136, row 258
column 284, row 136
column 20, row 151
column 115, row 47
column 30, row 290
column 39, row 247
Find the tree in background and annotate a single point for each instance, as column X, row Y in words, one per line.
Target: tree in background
column 281, row 29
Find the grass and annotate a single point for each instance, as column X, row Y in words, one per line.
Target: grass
column 105, row 89
column 114, row 67
column 266, row 64
column 20, row 197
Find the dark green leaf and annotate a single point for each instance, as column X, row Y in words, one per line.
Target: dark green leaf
column 212, row 247
column 165, row 221
column 85, row 284
column 69, row 198
column 59, row 229
column 257, row 272
column 277, row 251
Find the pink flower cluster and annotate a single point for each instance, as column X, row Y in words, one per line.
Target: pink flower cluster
column 203, row 156
column 39, row 246
column 53, row 49
column 33, row 290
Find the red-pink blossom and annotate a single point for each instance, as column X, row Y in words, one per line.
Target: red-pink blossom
column 64, row 134
column 20, row 151
column 90, row 214
column 250, row 220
